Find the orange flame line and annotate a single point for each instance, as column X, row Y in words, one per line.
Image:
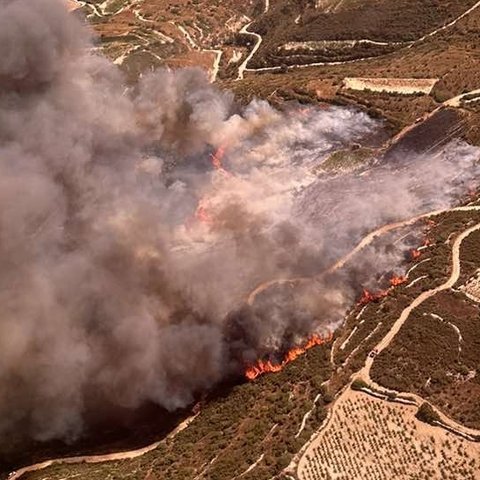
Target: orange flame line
column 267, row 366
column 368, row 296
column 395, row 281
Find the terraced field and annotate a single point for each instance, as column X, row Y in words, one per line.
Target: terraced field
column 256, row 431
column 394, row 444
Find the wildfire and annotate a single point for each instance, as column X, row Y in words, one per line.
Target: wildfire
column 395, row 281
column 415, row 253
column 368, row 296
column 266, row 366
column 202, row 212
column 202, row 215
column 217, row 160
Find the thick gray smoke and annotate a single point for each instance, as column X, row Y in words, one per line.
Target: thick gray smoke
column 126, row 259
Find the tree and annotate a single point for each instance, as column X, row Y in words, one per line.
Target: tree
column 426, row 413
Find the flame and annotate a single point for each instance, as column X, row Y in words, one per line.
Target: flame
column 217, row 160
column 415, row 253
column 266, row 366
column 395, row 281
column 202, row 215
column 368, row 296
column 202, row 212
column 262, row 367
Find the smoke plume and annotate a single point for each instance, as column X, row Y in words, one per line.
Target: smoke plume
column 126, row 258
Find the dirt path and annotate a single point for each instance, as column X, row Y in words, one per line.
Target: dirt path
column 216, row 64
column 258, row 42
column 109, row 457
column 127, row 455
column 456, row 101
column 454, row 276
column 408, row 45
column 218, row 53
column 367, row 240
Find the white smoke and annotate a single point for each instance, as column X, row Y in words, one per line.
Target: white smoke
column 110, row 286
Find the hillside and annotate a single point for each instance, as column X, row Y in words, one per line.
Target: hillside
column 398, row 377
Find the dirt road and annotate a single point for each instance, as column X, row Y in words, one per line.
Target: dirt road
column 452, row 280
column 109, row 457
column 258, row 42
column 126, row 455
column 408, row 45
column 367, row 240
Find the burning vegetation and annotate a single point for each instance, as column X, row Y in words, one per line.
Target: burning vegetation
column 368, row 296
column 268, row 366
column 395, row 281
column 107, row 287
column 415, row 254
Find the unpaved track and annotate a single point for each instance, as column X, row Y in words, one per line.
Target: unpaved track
column 128, row 455
column 216, row 64
column 454, row 276
column 360, row 246
column 109, row 457
column 218, row 53
column 258, row 42
column 456, row 101
column 345, row 62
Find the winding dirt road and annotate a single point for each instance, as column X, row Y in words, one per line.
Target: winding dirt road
column 258, row 42
column 127, row 455
column 452, row 280
column 109, row 457
column 408, row 45
column 367, row 240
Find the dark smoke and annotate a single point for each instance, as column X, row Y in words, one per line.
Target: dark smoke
column 110, row 287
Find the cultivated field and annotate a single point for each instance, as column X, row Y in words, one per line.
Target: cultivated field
column 392, row 442
column 402, row 86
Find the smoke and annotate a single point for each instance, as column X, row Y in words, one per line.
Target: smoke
column 113, row 290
